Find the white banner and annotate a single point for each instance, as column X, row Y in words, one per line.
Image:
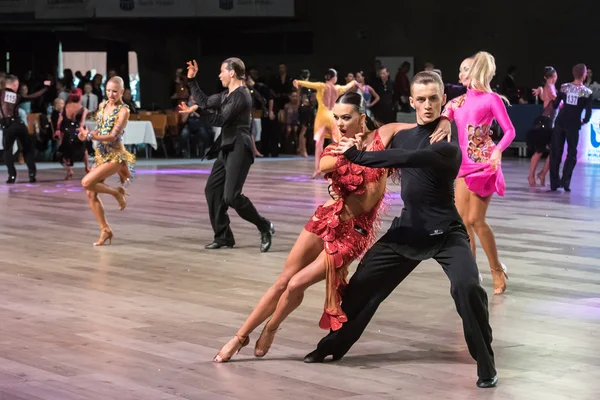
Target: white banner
column 145, row 8
column 16, row 6
column 588, row 149
column 64, row 9
column 245, row 8
column 193, row 8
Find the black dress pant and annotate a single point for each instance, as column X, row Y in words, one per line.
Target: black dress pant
column 382, row 270
column 224, row 189
column 18, row 131
column 557, row 146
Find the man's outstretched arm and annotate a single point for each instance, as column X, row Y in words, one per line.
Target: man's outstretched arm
column 438, row 155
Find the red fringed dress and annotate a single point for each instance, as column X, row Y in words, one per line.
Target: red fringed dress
column 345, row 240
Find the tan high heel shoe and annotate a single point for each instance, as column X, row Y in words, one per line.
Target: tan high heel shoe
column 243, row 342
column 500, row 277
column 105, row 235
column 264, row 342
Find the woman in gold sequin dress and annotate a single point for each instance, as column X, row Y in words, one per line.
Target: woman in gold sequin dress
column 111, row 157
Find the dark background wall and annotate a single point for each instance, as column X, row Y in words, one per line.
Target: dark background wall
column 527, row 33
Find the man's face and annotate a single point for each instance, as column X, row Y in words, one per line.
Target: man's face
column 282, row 69
column 127, row 94
column 14, row 86
column 225, row 75
column 87, row 88
column 427, row 100
column 384, row 74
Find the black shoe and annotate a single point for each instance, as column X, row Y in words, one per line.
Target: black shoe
column 32, row 179
column 316, row 357
column 487, row 383
column 11, row 180
column 216, row 245
column 265, row 238
column 566, row 188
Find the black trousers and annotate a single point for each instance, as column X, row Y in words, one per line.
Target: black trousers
column 382, row 270
column 18, row 131
column 557, row 146
column 224, row 189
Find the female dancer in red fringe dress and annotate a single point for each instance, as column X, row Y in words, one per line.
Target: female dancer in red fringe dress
column 340, row 231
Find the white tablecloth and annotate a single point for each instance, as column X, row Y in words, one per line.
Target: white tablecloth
column 136, row 132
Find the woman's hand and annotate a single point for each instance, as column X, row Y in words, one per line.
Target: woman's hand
column 443, row 131
column 192, row 69
column 496, row 159
column 344, row 145
column 83, row 132
column 537, row 91
column 295, row 83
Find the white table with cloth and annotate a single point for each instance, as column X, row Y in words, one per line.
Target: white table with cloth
column 136, row 132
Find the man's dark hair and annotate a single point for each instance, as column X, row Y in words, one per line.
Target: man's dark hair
column 236, row 65
column 427, row 77
column 578, row 71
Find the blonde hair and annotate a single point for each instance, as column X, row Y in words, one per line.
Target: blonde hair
column 481, row 73
column 117, row 80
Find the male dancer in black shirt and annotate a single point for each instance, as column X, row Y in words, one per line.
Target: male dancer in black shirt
column 576, row 98
column 429, row 227
column 15, row 129
column 233, row 150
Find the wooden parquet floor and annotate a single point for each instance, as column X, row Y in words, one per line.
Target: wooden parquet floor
column 142, row 319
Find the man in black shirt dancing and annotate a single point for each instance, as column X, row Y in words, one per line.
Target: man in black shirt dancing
column 575, row 98
column 233, row 150
column 429, row 227
column 15, row 129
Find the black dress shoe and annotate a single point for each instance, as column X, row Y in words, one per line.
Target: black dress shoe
column 11, row 180
column 216, row 245
column 487, row 383
column 566, row 188
column 265, row 238
column 32, row 179
column 316, row 357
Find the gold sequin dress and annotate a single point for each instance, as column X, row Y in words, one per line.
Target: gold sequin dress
column 111, row 151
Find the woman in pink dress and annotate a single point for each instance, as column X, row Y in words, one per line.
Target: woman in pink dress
column 480, row 174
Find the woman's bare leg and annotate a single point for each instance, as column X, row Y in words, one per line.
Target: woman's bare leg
column 302, row 142
column 319, row 141
column 290, row 300
column 542, row 175
column 86, row 161
column 94, row 181
column 461, row 199
column 478, row 207
column 535, row 159
column 305, row 251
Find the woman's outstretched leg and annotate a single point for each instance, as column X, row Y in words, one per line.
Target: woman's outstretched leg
column 307, row 248
column 290, row 300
